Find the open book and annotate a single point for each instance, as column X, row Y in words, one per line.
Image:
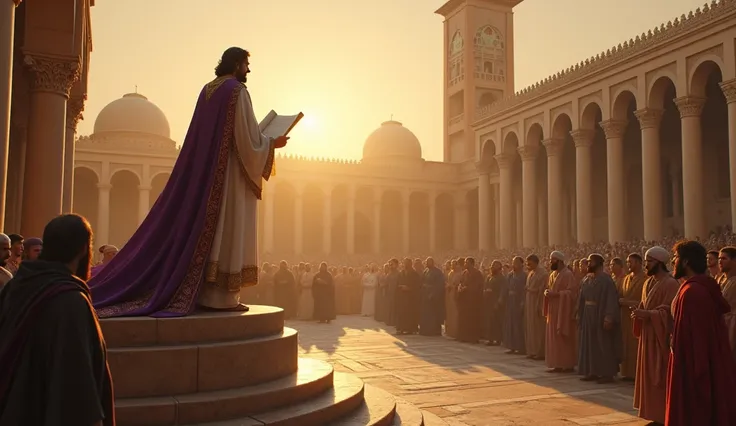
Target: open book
column 275, row 125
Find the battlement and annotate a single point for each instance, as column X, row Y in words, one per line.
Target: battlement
column 292, row 157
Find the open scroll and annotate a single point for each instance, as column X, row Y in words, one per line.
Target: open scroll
column 274, row 125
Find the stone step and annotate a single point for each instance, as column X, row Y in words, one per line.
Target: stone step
column 313, row 378
column 176, row 370
column 431, row 419
column 208, row 327
column 345, row 397
column 407, row 414
column 378, row 409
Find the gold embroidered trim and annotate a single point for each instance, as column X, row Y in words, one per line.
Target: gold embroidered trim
column 213, row 85
column 247, row 277
column 269, row 162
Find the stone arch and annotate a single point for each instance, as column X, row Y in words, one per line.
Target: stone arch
column 620, row 91
column 86, row 194
column 123, row 209
column 658, row 91
column 702, row 71
column 561, row 126
column 510, row 143
column 621, row 102
column 445, row 222
column 591, row 115
column 98, row 179
column 313, row 211
column 158, row 183
column 117, row 170
column 284, row 204
column 488, row 156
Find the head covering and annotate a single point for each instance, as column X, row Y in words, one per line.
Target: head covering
column 32, row 242
column 109, row 248
column 5, row 239
column 658, row 253
column 558, row 255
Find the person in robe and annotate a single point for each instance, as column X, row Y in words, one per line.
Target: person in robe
column 342, row 293
column 265, row 289
column 381, row 307
column 599, row 353
column 369, row 282
column 5, row 275
column 52, row 351
column 408, row 299
column 727, row 265
column 284, row 290
column 305, row 310
column 108, row 251
column 513, row 300
column 392, row 283
column 16, row 253
column 433, row 300
column 354, row 282
column 32, row 248
column 206, row 214
column 534, row 320
column 712, row 261
column 451, row 309
column 559, row 309
column 470, row 304
column 323, row 291
column 652, row 327
column 630, row 296
column 616, row 266
column 701, row 375
column 493, row 310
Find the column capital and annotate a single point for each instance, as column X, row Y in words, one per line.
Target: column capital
column 52, row 74
column 614, row 129
column 144, row 188
column 729, row 90
column 504, row 160
column 649, row 117
column 528, row 152
column 690, row 106
column 104, row 186
column 74, row 109
column 483, row 168
column 553, row 146
column 583, row 138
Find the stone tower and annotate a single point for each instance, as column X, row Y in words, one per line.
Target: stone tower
column 479, row 66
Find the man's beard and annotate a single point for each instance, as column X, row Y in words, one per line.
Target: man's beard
column 680, row 271
column 85, row 267
column 554, row 266
column 241, row 76
column 653, row 270
column 591, row 268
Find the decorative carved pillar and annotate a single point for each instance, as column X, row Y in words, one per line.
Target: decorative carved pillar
column 74, row 108
column 377, row 221
column 649, row 121
column 583, row 139
column 144, row 202
column 102, row 233
column 508, row 206
column 615, row 130
column 298, row 220
column 530, row 209
column 554, row 190
column 406, row 206
column 52, row 78
column 268, row 199
column 691, row 108
column 327, row 223
column 484, row 208
column 432, row 221
column 7, row 31
column 729, row 91
column 351, row 220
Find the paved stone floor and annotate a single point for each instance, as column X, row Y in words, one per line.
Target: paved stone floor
column 462, row 383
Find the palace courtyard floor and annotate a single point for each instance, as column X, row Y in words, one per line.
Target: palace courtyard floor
column 462, row 383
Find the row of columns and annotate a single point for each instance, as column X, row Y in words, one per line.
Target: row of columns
column 327, row 219
column 690, row 109
column 102, row 230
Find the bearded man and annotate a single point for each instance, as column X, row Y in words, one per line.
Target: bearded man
column 559, row 309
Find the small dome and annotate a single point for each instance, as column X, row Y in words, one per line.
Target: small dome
column 133, row 113
column 392, row 139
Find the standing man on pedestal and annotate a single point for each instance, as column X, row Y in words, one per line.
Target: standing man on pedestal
column 206, row 216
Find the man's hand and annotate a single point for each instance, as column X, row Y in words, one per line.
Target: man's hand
column 280, row 141
column 640, row 314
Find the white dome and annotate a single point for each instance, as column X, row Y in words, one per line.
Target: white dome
column 392, row 139
column 132, row 113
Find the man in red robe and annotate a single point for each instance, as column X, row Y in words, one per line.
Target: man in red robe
column 701, row 378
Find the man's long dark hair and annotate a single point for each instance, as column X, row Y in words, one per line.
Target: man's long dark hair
column 64, row 238
column 230, row 60
column 694, row 253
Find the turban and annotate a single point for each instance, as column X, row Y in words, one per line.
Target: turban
column 32, row 242
column 658, row 253
column 558, row 255
column 109, row 249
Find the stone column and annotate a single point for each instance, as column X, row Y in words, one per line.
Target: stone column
column 554, row 190
column 497, row 215
column 377, row 223
column 432, row 221
column 268, row 222
column 298, row 220
column 507, row 202
column 74, row 108
column 530, row 207
column 484, row 210
column 102, row 233
column 729, row 91
column 144, row 202
column 406, row 205
column 649, row 121
column 583, row 139
column 351, row 221
column 690, row 108
column 7, row 32
column 615, row 131
column 327, row 224
column 52, row 78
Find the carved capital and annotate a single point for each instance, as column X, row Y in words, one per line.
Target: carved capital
column 505, row 160
column 74, row 109
column 583, row 138
column 528, row 152
column 614, row 128
column 729, row 90
column 649, row 117
column 56, row 75
column 553, row 146
column 483, row 168
column 690, row 106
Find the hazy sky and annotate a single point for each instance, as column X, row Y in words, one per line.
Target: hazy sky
column 348, row 65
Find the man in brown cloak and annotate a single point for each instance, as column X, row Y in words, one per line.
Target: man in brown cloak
column 470, row 304
column 534, row 320
column 559, row 309
column 630, row 294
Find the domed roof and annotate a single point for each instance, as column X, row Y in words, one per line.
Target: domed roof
column 392, row 139
column 133, row 113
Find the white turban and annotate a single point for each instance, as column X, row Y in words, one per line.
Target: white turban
column 558, row 255
column 658, row 253
column 4, row 238
column 109, row 249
